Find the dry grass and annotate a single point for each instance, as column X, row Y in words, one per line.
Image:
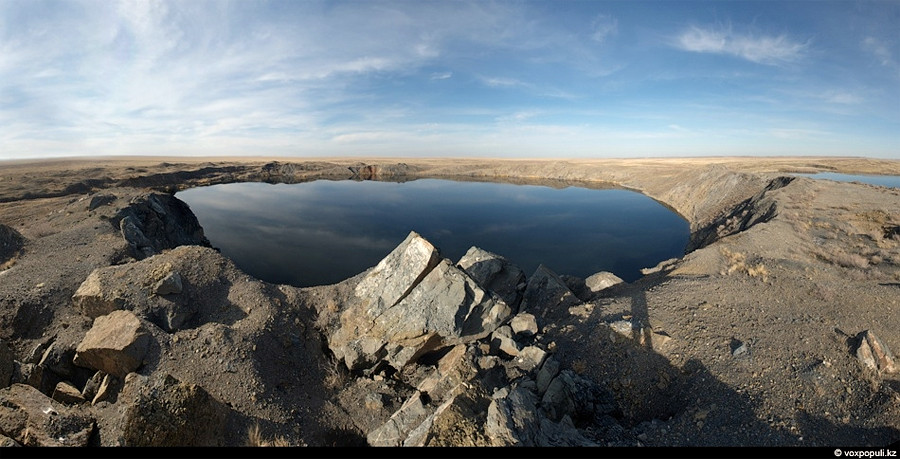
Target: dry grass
column 335, row 374
column 579, row 366
column 738, row 263
column 255, row 438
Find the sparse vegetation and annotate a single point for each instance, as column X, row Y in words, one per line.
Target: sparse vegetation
column 255, row 438
column 738, row 262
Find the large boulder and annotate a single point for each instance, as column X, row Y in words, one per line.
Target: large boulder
column 181, row 288
column 163, row 411
column 32, row 419
column 495, row 273
column 411, row 303
column 547, row 296
column 116, row 344
column 155, row 222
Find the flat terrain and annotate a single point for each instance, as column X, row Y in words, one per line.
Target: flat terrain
column 748, row 340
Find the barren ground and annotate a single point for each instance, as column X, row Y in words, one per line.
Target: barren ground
column 792, row 270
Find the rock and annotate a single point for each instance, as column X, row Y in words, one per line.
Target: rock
column 513, row 419
column 162, row 411
column 397, row 273
column 155, row 222
column 502, row 341
column 105, row 389
column 524, row 324
column 409, row 305
column 454, row 368
column 661, row 266
column 67, row 393
column 545, row 375
column 393, row 432
column 182, row 288
column 459, row 421
column 116, row 344
column 7, row 364
column 601, row 281
column 92, row 385
column 547, row 296
column 171, row 284
column 557, row 400
column 530, row 358
column 495, row 273
column 96, row 297
column 874, row 354
column 623, row 328
column 32, row 419
column 100, row 200
column 739, row 349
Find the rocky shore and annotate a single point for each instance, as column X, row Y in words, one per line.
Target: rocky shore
column 121, row 326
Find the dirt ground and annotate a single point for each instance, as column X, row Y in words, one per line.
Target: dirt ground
column 748, row 340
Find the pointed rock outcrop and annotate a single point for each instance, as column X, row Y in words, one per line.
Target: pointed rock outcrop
column 495, row 273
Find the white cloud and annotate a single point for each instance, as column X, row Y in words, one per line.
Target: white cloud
column 441, row 75
column 604, row 26
column 769, row 50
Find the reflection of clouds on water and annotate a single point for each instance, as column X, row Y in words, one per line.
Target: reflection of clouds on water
column 324, row 231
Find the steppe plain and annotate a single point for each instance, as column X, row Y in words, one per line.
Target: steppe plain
column 750, row 339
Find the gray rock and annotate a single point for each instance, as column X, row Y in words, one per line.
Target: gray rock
column 545, row 375
column 874, row 354
column 108, row 385
column 524, row 324
column 116, row 344
column 92, row 385
column 495, row 273
column 395, row 431
column 547, row 296
column 100, row 200
column 6, row 442
column 163, row 411
column 155, row 222
column 410, row 304
column 168, row 285
column 601, row 281
column 502, row 341
column 557, row 400
column 513, row 419
column 530, row 357
column 32, row 419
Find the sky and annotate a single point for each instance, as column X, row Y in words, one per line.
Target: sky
column 552, row 79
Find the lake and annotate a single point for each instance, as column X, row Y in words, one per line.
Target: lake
column 891, row 181
column 322, row 232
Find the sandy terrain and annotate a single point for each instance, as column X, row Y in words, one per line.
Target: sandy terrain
column 748, row 340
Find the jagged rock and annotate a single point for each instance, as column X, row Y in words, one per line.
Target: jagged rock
column 514, row 419
column 661, row 266
column 558, row 400
column 409, row 304
column 162, row 411
column 100, row 200
column 874, row 354
column 92, row 385
column 601, row 281
column 7, row 364
column 545, row 375
column 546, row 295
column 116, row 344
column 454, row 368
column 502, row 341
column 530, row 358
column 32, row 419
column 168, row 285
column 182, row 288
column 524, row 324
column 393, row 432
column 109, row 384
column 459, row 421
column 495, row 273
column 96, row 297
column 155, row 222
column 396, row 275
column 67, row 393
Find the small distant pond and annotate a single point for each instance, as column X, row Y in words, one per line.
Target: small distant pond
column 322, row 232
column 892, row 181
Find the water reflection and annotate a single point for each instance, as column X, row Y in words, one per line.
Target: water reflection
column 325, row 231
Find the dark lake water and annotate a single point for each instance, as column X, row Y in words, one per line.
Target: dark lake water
column 892, row 181
column 322, row 232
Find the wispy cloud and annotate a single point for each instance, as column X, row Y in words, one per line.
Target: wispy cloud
column 441, row 75
column 771, row 50
column 604, row 26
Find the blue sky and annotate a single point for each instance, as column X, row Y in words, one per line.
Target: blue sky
column 451, row 78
